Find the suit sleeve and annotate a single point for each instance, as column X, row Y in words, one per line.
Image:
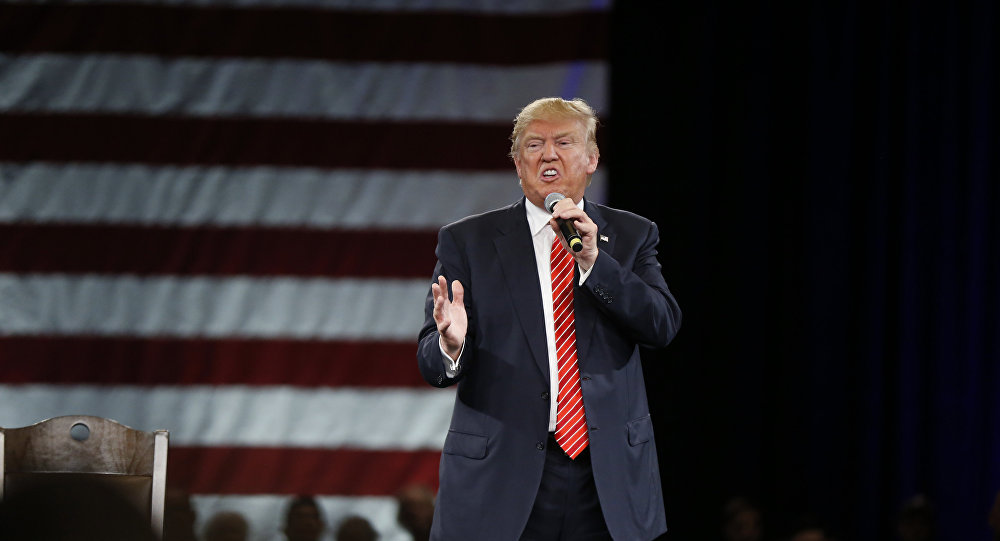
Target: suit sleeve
column 430, row 360
column 635, row 296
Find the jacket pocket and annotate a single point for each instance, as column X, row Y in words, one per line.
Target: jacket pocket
column 640, row 430
column 467, row 445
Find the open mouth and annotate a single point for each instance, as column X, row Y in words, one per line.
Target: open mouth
column 550, row 173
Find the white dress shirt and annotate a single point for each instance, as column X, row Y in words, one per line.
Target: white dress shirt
column 542, row 236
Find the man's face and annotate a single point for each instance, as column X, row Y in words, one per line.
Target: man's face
column 553, row 157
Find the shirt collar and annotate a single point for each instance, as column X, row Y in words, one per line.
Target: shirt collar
column 538, row 218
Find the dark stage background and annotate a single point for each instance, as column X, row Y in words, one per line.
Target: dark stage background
column 825, row 180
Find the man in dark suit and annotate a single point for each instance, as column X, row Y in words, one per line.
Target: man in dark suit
column 495, row 326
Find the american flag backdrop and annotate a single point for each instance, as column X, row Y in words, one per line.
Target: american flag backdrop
column 218, row 217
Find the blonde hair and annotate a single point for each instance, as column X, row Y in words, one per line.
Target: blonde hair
column 555, row 108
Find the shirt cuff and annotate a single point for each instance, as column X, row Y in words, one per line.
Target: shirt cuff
column 450, row 365
column 585, row 273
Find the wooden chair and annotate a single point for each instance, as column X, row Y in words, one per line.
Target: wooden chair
column 133, row 461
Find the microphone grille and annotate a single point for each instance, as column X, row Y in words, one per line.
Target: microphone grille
column 552, row 199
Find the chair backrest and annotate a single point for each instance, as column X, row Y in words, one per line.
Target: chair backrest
column 134, row 461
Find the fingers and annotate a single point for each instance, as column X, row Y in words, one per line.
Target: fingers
column 579, row 219
column 440, row 292
column 574, row 214
column 585, row 227
column 450, row 316
column 567, row 209
column 563, row 205
column 583, row 224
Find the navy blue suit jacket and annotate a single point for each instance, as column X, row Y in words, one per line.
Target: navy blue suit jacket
column 494, row 451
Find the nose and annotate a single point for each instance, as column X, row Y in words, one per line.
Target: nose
column 549, row 152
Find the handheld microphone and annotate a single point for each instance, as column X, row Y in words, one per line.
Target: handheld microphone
column 567, row 228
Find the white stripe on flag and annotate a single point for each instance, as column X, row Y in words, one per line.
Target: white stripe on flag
column 356, row 309
column 261, row 88
column 391, row 419
column 258, row 196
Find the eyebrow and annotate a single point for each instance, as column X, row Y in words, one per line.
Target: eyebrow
column 530, row 136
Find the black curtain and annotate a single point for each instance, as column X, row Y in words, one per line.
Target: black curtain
column 826, row 180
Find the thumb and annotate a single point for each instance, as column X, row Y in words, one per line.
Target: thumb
column 457, row 292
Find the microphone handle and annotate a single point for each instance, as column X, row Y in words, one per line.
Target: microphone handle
column 570, row 234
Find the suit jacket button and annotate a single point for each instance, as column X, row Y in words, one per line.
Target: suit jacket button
column 540, row 446
column 545, row 396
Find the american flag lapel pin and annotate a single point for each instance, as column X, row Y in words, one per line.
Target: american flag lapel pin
column 604, row 238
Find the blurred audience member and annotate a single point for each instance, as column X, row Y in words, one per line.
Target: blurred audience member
column 741, row 521
column 72, row 510
column 812, row 534
column 304, row 520
column 355, row 528
column 809, row 528
column 416, row 511
column 916, row 520
column 178, row 516
column 226, row 526
column 809, row 534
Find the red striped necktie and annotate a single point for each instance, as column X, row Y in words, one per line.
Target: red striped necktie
column 571, row 422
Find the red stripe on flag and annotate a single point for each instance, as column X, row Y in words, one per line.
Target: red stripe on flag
column 256, row 470
column 247, row 141
column 303, row 33
column 251, row 251
column 164, row 361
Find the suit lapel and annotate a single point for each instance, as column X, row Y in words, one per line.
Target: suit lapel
column 516, row 254
column 586, row 314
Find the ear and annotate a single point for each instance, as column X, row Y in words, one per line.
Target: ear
column 592, row 162
column 517, row 165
